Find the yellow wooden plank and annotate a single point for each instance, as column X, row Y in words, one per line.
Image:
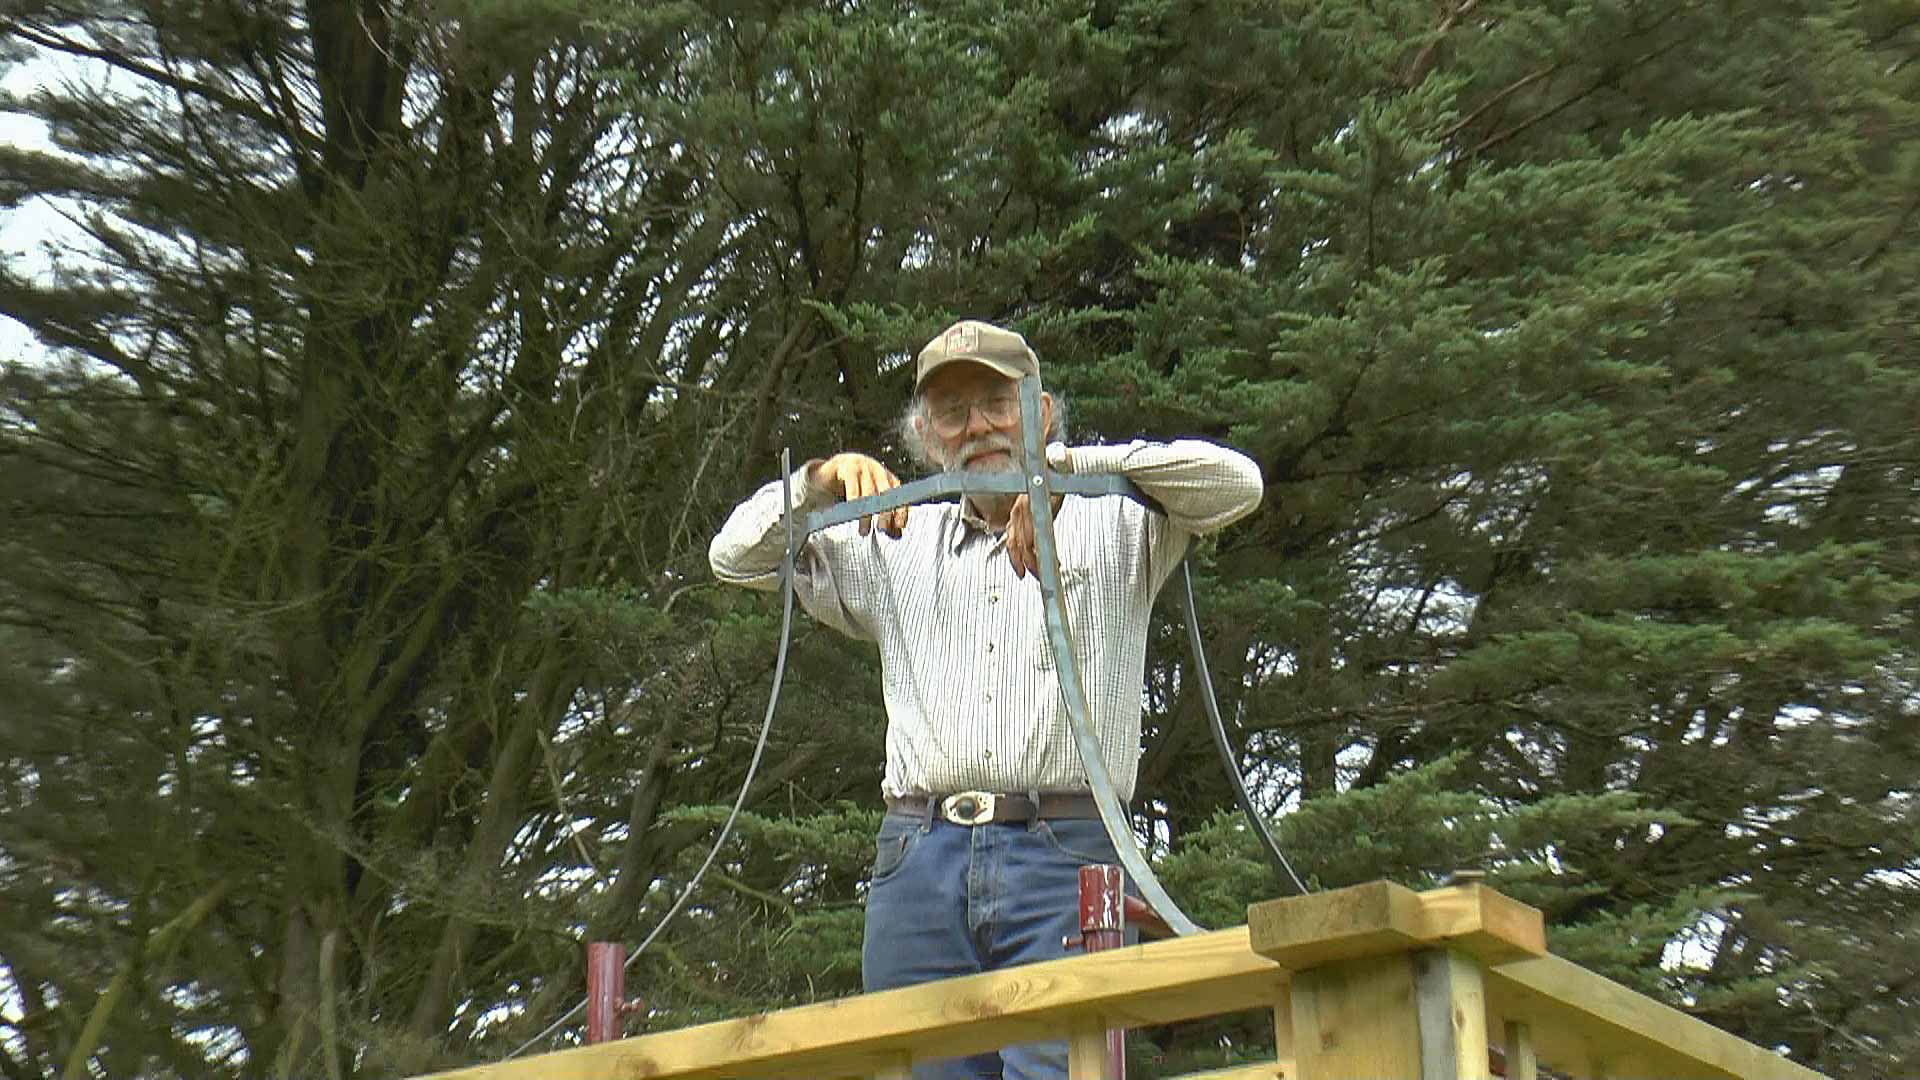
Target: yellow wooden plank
column 1521, row 1062
column 1283, row 1031
column 1137, row 986
column 1087, row 1050
column 1300, row 932
column 1279, row 1069
column 1356, row 1018
column 1482, row 922
column 1584, row 1023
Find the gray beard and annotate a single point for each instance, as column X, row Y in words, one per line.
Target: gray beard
column 988, row 505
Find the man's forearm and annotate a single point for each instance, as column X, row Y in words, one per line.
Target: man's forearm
column 1201, row 485
column 749, row 547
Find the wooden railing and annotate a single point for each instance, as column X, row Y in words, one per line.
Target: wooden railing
column 1368, row 982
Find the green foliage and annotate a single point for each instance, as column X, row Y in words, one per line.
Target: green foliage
column 1416, row 828
column 353, row 532
column 791, row 937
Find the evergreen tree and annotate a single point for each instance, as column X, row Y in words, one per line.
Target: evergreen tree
column 365, row 655
column 349, row 540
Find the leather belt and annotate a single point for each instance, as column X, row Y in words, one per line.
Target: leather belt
column 992, row 807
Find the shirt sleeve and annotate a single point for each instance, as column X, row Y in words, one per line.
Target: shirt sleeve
column 1202, row 486
column 749, row 548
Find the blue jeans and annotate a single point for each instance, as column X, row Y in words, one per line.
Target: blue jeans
column 956, row 900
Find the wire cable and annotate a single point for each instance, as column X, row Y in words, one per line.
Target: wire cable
column 1219, row 728
column 753, row 766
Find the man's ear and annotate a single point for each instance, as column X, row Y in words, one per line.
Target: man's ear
column 1046, row 415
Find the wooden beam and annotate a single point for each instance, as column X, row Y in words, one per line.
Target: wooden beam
column 1483, row 923
column 1589, row 1025
column 1380, row 917
column 1451, row 1001
column 1521, row 1062
column 1137, row 986
column 1281, row 1069
column 1385, row 982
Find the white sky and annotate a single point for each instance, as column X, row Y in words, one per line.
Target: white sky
column 25, row 229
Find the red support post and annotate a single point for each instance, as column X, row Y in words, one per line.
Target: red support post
column 1103, row 925
column 606, row 989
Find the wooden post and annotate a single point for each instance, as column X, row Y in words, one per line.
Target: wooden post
column 1355, row 1018
column 1450, row 997
column 1389, row 982
column 1283, row 1031
column 1087, row 1052
column 1417, row 1014
column 1521, row 1063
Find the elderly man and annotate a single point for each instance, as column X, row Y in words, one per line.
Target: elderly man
column 973, row 702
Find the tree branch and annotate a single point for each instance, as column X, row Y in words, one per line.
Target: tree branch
column 122, row 62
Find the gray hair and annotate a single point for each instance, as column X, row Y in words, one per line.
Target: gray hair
column 914, row 420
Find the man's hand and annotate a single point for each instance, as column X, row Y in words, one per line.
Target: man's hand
column 1022, row 548
column 856, row 476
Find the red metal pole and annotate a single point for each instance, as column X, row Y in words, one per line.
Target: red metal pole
column 1103, row 925
column 1147, row 921
column 606, row 989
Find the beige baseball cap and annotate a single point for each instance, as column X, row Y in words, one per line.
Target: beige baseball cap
column 982, row 343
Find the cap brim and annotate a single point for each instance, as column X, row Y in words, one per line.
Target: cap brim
column 998, row 367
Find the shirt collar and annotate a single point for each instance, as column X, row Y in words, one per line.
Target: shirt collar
column 970, row 522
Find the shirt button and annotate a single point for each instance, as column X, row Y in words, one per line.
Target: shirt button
column 989, row 646
column 988, row 755
column 989, row 697
column 993, row 598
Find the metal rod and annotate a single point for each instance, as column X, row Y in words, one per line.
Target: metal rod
column 1144, row 919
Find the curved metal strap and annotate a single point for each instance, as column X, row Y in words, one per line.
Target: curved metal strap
column 944, row 484
column 1067, row 664
column 1220, row 743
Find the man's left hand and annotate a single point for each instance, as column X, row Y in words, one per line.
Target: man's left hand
column 1021, row 545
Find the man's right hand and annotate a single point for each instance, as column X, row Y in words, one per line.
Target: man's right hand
column 856, row 476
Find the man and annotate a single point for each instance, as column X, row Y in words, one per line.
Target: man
column 973, row 701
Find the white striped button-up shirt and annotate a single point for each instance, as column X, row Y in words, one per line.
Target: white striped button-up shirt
column 972, row 698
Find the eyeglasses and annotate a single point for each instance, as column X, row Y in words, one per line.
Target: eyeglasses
column 950, row 418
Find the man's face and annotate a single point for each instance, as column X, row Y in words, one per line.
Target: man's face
column 974, row 414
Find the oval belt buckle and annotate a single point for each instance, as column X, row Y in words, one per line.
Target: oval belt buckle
column 968, row 807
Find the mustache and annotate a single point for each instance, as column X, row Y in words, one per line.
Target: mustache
column 985, row 444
